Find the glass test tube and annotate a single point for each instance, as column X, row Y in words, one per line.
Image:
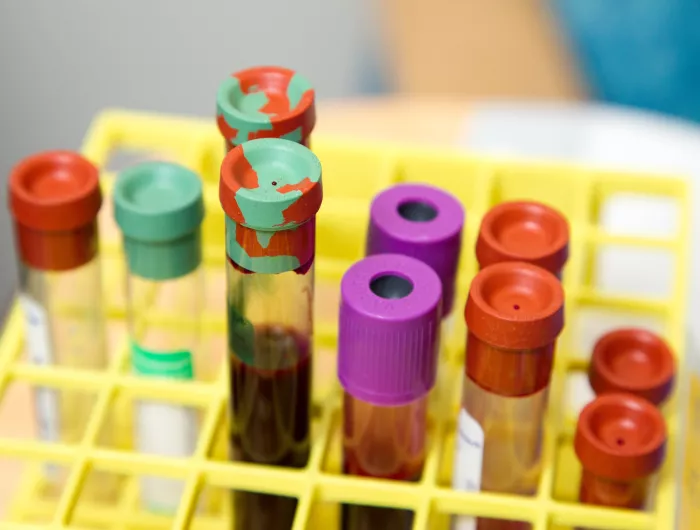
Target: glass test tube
column 634, row 361
column 514, row 314
column 270, row 191
column 159, row 208
column 54, row 199
column 620, row 441
column 524, row 231
column 265, row 102
column 425, row 223
column 387, row 361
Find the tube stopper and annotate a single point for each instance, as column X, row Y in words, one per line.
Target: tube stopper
column 159, row 207
column 635, row 361
column 265, row 102
column 54, row 198
column 389, row 329
column 422, row 222
column 620, row 437
column 524, row 231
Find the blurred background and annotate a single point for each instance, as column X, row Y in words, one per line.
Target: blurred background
column 524, row 78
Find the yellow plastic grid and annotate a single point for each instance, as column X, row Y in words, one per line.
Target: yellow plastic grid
column 353, row 173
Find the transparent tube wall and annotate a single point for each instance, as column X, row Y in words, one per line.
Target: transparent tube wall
column 164, row 329
column 499, row 437
column 64, row 326
column 382, row 442
column 270, row 327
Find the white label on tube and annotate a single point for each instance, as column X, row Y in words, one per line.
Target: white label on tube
column 164, row 430
column 39, row 349
column 469, row 455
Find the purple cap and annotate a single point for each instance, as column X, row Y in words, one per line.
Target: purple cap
column 422, row 222
column 390, row 310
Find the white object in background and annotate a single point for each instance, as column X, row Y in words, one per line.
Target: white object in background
column 611, row 138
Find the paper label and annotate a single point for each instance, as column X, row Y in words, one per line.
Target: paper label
column 164, row 429
column 40, row 351
column 469, row 456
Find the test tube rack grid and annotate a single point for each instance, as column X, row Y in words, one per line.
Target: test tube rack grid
column 352, row 174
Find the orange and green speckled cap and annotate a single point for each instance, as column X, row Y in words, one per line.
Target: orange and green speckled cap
column 265, row 102
column 270, row 190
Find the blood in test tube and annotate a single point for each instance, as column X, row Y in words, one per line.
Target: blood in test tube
column 514, row 314
column 621, row 442
column 54, row 199
column 270, row 191
column 159, row 208
column 634, row 361
column 388, row 337
column 265, row 102
column 524, row 231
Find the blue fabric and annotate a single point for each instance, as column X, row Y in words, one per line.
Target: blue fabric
column 641, row 53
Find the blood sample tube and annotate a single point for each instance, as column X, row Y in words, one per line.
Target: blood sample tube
column 270, row 191
column 159, row 209
column 265, row 102
column 54, row 198
column 621, row 442
column 514, row 314
column 524, row 231
column 387, row 358
column 634, row 361
column 426, row 223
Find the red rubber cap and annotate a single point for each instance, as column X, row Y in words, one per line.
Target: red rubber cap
column 524, row 231
column 515, row 305
column 620, row 437
column 635, row 361
column 55, row 191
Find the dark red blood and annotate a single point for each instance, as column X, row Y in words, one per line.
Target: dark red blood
column 270, row 419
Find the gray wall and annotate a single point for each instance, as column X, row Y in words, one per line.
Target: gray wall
column 61, row 61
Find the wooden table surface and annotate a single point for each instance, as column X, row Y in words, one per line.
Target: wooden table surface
column 426, row 121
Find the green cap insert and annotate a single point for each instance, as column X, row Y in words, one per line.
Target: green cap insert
column 159, row 208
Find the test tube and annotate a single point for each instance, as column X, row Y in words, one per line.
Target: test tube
column 425, row 223
column 634, row 361
column 265, row 102
column 525, row 231
column 387, row 359
column 54, row 198
column 159, row 209
column 514, row 314
column 270, row 191
column 621, row 442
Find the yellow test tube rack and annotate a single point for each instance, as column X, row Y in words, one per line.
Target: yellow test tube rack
column 353, row 174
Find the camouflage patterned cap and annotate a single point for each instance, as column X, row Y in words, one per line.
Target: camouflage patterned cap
column 270, row 184
column 265, row 102
column 270, row 189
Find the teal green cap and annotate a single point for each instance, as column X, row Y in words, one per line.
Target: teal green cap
column 159, row 208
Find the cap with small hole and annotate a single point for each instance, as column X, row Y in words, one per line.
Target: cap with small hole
column 159, row 208
column 515, row 305
column 620, row 437
column 54, row 198
column 265, row 102
column 423, row 222
column 524, row 231
column 270, row 184
column 635, row 361
column 388, row 331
